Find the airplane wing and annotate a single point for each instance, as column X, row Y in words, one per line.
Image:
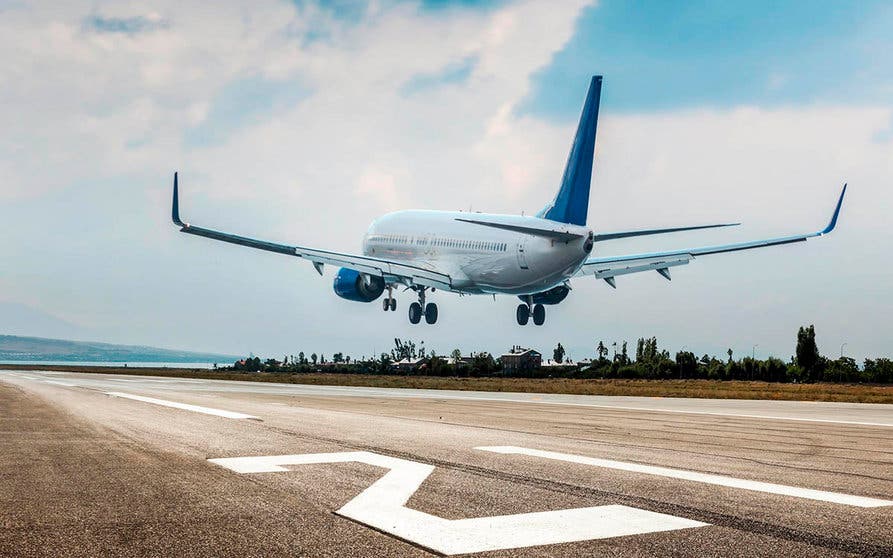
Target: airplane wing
column 391, row 271
column 610, row 267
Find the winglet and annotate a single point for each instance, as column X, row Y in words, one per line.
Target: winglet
column 833, row 222
column 175, row 209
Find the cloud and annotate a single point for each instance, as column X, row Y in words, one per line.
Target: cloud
column 290, row 123
column 129, row 25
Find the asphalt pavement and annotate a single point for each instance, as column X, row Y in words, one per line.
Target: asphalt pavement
column 105, row 465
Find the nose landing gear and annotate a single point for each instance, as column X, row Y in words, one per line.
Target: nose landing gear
column 389, row 302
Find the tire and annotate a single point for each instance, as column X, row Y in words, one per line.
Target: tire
column 415, row 313
column 431, row 313
column 385, row 305
column 523, row 314
column 539, row 314
column 393, row 305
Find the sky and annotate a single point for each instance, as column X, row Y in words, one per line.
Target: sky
column 301, row 122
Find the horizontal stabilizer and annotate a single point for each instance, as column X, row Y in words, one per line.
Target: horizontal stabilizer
column 547, row 233
column 648, row 232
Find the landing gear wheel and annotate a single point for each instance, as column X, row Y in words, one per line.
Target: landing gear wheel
column 539, row 314
column 386, row 304
column 415, row 313
column 523, row 314
column 393, row 305
column 430, row 313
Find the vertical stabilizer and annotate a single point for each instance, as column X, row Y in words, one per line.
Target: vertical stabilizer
column 571, row 203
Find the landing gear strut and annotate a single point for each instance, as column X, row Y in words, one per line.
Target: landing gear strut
column 526, row 310
column 420, row 308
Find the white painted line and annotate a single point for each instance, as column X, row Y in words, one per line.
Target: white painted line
column 66, row 384
column 732, row 482
column 184, row 406
column 382, row 506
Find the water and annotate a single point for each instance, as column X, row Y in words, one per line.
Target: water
column 202, row 365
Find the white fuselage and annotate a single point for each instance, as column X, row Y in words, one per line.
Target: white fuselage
column 480, row 259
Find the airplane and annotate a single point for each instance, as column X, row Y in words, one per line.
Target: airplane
column 531, row 257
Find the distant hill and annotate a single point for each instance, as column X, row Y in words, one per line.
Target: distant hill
column 15, row 348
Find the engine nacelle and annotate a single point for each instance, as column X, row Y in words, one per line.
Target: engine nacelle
column 552, row 296
column 356, row 286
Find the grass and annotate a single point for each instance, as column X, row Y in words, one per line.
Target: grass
column 854, row 393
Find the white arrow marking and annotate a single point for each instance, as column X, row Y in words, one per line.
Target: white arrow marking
column 383, row 507
column 732, row 482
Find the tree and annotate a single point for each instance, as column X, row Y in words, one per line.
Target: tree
column 687, row 364
column 558, row 354
column 878, row 370
column 602, row 352
column 313, row 358
column 807, row 352
column 456, row 355
column 384, row 363
column 338, row 358
column 624, row 357
column 403, row 350
column 730, row 352
column 301, row 358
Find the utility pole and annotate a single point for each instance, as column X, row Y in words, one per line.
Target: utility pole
column 841, row 350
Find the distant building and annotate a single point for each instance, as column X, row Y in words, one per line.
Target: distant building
column 408, row 364
column 566, row 363
column 462, row 360
column 520, row 359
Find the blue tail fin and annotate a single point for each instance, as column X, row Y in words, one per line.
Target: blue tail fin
column 571, row 204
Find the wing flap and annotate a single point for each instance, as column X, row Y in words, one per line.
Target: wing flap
column 610, row 269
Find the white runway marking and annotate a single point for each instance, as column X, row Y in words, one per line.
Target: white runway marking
column 383, row 507
column 184, row 406
column 732, row 482
column 58, row 383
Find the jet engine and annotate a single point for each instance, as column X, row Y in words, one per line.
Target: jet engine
column 356, row 286
column 552, row 296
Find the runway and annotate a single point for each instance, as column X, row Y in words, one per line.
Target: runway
column 94, row 464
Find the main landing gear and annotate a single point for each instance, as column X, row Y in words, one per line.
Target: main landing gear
column 420, row 308
column 528, row 310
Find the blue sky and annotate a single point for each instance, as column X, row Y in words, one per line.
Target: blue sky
column 302, row 122
column 665, row 55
